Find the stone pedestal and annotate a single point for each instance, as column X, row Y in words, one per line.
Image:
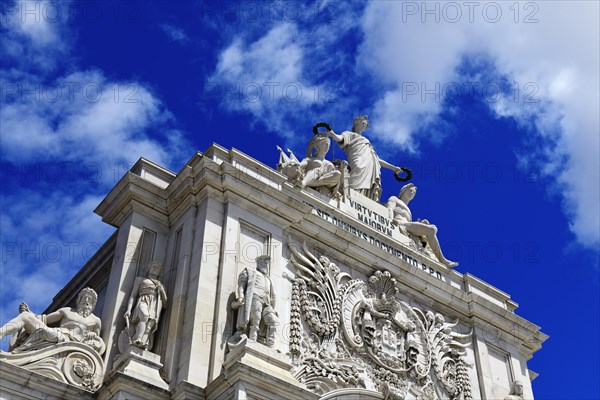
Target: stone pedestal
column 260, row 357
column 252, row 370
column 142, row 365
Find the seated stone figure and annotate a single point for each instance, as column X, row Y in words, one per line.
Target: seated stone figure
column 401, row 215
column 320, row 174
column 19, row 337
column 74, row 325
column 314, row 171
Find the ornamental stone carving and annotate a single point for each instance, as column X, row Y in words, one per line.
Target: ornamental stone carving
column 150, row 299
column 347, row 333
column 257, row 319
column 64, row 345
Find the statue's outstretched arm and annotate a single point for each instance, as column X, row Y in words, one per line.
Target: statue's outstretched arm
column 335, row 136
column 387, row 165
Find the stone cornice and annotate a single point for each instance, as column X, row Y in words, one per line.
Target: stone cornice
column 186, row 391
column 124, row 385
column 132, row 192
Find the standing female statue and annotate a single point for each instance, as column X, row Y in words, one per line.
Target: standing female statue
column 365, row 164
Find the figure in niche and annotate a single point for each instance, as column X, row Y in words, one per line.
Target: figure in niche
column 365, row 164
column 74, row 325
column 151, row 299
column 401, row 215
column 516, row 391
column 255, row 302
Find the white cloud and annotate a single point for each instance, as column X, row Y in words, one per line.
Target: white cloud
column 72, row 137
column 33, row 33
column 269, row 79
column 558, row 55
column 175, row 34
column 82, row 116
column 266, row 75
column 549, row 50
column 45, row 240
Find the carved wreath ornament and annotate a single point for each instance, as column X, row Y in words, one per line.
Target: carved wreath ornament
column 346, row 333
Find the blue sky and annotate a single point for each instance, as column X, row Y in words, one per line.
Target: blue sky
column 493, row 105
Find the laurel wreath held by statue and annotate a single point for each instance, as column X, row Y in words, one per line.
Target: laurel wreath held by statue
column 408, row 176
column 321, row 125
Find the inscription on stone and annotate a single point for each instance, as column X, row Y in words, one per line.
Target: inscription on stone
column 374, row 241
column 372, row 219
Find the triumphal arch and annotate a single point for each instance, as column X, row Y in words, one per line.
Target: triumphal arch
column 232, row 279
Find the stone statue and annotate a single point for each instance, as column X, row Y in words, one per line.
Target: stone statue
column 290, row 166
column 516, row 391
column 74, row 325
column 314, row 171
column 401, row 215
column 64, row 345
column 365, row 165
column 20, row 336
column 151, row 299
column 255, row 302
column 319, row 173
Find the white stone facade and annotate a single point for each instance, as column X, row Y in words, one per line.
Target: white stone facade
column 209, row 222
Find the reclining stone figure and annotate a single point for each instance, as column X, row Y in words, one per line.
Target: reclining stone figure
column 64, row 345
column 74, row 325
column 399, row 211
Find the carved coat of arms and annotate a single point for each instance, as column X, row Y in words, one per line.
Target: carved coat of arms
column 347, row 333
